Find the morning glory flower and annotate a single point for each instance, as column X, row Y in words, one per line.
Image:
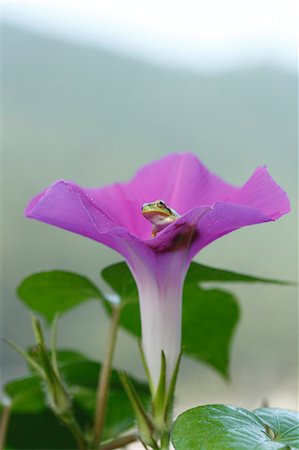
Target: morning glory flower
column 207, row 208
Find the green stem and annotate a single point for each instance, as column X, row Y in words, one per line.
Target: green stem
column 105, row 375
column 77, row 433
column 54, row 346
column 4, row 424
column 165, row 441
column 120, row 442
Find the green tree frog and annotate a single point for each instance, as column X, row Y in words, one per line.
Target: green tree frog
column 159, row 215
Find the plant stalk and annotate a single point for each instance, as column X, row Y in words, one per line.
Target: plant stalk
column 120, row 442
column 76, row 432
column 105, row 375
column 4, row 424
column 165, row 441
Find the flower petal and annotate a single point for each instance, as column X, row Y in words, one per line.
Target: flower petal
column 183, row 182
column 65, row 205
column 179, row 179
column 263, row 193
column 223, row 219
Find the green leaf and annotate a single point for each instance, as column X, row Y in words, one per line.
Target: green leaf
column 49, row 293
column 214, row 427
column 26, row 394
column 208, row 323
column 119, row 278
column 198, row 273
column 283, row 423
column 81, row 376
column 37, row 431
column 130, row 318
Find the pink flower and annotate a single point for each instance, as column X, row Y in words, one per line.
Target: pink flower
column 209, row 208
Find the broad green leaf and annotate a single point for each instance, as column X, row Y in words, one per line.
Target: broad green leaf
column 130, row 318
column 69, row 356
column 209, row 320
column 215, row 427
column 198, row 273
column 120, row 279
column 81, row 376
column 37, row 431
column 283, row 423
column 48, row 293
column 26, row 394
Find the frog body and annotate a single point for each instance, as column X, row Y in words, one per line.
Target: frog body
column 159, row 215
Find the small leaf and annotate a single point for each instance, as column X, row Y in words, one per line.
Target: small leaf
column 209, row 321
column 49, row 293
column 198, row 273
column 214, row 427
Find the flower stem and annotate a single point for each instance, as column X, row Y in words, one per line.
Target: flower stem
column 104, row 379
column 4, row 424
column 120, row 442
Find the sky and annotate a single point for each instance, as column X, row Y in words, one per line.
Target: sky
column 209, row 34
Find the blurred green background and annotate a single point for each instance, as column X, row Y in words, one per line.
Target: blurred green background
column 86, row 114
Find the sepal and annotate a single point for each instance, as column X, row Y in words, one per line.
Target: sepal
column 171, row 389
column 27, row 357
column 58, row 396
column 45, row 365
column 163, row 400
column 160, row 398
column 145, row 425
column 148, row 375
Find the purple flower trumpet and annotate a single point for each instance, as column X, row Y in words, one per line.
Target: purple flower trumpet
column 158, row 222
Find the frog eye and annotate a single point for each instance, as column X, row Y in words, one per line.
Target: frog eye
column 160, row 203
